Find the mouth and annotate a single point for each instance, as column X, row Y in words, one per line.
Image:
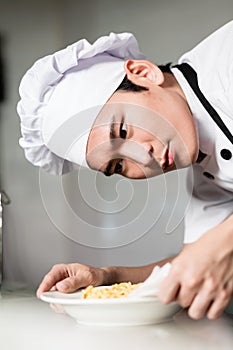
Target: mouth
column 167, row 159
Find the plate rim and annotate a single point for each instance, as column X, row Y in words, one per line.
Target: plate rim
column 56, row 297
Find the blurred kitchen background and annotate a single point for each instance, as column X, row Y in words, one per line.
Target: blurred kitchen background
column 50, row 220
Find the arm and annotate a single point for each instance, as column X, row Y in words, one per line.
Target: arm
column 68, row 278
column 117, row 274
column 201, row 276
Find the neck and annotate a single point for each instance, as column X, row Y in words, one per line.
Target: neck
column 171, row 83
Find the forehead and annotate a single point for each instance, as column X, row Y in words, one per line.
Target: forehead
column 99, row 142
column 98, row 147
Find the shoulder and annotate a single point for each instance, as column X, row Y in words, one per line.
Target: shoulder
column 214, row 54
column 220, row 39
column 212, row 59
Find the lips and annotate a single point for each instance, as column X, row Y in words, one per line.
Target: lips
column 167, row 159
column 170, row 158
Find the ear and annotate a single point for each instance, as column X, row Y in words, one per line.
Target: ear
column 143, row 73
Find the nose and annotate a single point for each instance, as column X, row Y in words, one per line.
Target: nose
column 141, row 153
column 148, row 147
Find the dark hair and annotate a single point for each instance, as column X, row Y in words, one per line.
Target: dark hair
column 127, row 85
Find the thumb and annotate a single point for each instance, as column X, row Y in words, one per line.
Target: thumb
column 70, row 284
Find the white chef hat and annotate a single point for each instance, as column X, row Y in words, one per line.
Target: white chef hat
column 62, row 94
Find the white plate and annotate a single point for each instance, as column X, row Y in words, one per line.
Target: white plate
column 112, row 312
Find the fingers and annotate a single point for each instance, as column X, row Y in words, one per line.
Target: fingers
column 67, row 278
column 188, row 290
column 221, row 302
column 178, row 287
column 205, row 302
column 184, row 294
column 203, row 299
column 168, row 290
column 169, row 287
column 199, row 306
column 200, row 282
column 71, row 284
column 57, row 273
column 210, row 301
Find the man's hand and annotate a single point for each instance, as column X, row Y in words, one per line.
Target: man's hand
column 201, row 276
column 67, row 278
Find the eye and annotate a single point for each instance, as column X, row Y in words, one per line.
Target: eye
column 123, row 130
column 118, row 167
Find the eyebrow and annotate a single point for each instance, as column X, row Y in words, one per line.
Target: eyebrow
column 107, row 171
column 112, row 136
column 112, row 133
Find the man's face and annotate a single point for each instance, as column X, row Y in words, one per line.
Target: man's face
column 143, row 134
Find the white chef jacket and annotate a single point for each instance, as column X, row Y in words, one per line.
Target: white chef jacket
column 210, row 183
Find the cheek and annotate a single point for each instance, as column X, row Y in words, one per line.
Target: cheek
column 134, row 171
column 97, row 136
column 97, row 147
column 98, row 157
column 170, row 110
column 155, row 127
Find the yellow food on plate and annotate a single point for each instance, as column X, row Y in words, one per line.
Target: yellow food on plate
column 117, row 290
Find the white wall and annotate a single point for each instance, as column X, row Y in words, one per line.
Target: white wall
column 32, row 242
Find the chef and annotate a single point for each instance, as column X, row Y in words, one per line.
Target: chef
column 105, row 107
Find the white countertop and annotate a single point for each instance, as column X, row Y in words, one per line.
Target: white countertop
column 28, row 323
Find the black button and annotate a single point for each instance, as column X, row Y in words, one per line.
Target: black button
column 226, row 154
column 210, row 176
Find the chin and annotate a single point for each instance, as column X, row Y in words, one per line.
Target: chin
column 182, row 163
column 194, row 157
column 171, row 168
column 186, row 159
